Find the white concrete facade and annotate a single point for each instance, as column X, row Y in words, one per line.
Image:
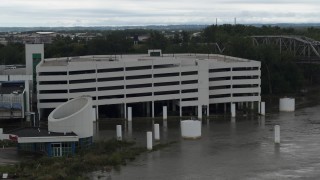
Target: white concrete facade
column 32, row 49
column 192, row 80
column 73, row 116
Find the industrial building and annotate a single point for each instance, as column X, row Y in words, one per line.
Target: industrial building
column 189, row 84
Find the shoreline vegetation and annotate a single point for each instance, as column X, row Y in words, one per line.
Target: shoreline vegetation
column 103, row 155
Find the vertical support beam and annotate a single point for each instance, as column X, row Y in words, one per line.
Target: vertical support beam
column 200, row 111
column 157, row 132
column 208, row 110
column 27, row 91
column 119, row 133
column 252, row 105
column 149, row 140
column 121, row 110
column 233, row 110
column 94, row 116
column 277, row 134
column 263, row 110
column 129, row 113
column 174, row 106
column 97, row 112
column 125, row 110
column 280, row 41
column 148, row 109
column 180, row 109
column 164, row 112
column 259, row 107
column 152, row 109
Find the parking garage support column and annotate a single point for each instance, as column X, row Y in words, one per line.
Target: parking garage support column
column 148, row 109
column 180, row 109
column 200, row 111
column 97, row 112
column 125, row 110
column 152, row 109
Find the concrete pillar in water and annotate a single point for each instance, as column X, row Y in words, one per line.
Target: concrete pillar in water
column 262, row 121
column 130, row 128
column 121, row 110
column 97, row 112
column 277, row 134
column 165, row 124
column 164, row 112
column 157, row 132
column 129, row 113
column 200, row 112
column 94, row 114
column 287, row 104
column 119, row 133
column 252, row 105
column 180, row 109
column 259, row 107
column 148, row 109
column 149, row 140
column 263, row 109
column 233, row 110
column 174, row 105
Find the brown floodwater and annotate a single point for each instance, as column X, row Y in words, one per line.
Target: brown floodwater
column 228, row 149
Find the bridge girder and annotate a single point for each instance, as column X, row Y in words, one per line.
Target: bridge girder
column 302, row 47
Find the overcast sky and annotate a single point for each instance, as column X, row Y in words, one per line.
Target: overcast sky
column 154, row 12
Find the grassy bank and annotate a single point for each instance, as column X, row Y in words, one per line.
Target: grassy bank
column 101, row 156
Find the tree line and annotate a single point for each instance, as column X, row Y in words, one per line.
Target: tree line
column 280, row 73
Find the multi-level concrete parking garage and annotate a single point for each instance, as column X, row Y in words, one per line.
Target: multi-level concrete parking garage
column 188, row 84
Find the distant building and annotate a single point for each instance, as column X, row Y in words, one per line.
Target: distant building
column 3, row 41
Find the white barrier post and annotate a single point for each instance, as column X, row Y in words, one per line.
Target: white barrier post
column 164, row 112
column 287, row 104
column 119, row 133
column 277, row 134
column 149, row 140
column 129, row 113
column 233, row 110
column 263, row 108
column 157, row 132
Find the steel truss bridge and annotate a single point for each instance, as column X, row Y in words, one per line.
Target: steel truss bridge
column 306, row 49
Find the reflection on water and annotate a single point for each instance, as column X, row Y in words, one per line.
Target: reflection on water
column 243, row 145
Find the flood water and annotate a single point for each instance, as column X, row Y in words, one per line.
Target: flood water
column 228, row 149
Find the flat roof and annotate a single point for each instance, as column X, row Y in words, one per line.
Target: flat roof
column 36, row 132
column 64, row 61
